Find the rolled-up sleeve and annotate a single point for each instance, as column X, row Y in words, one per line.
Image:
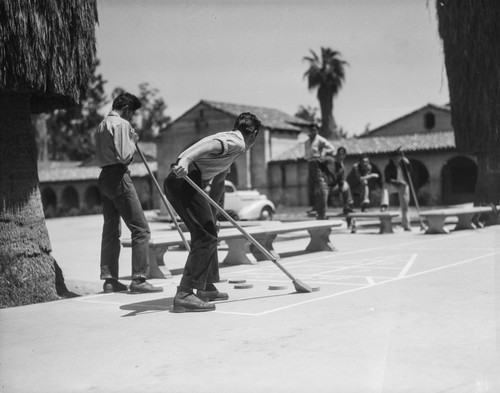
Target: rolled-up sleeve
column 125, row 148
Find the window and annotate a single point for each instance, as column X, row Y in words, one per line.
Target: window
column 429, row 120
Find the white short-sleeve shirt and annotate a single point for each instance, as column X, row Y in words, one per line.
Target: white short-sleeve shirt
column 210, row 165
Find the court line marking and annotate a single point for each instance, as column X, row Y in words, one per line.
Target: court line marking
column 342, row 253
column 407, row 267
column 369, row 286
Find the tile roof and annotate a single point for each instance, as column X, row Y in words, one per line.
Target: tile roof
column 59, row 171
column 271, row 118
column 444, row 140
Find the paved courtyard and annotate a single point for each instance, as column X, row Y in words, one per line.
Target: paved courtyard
column 401, row 312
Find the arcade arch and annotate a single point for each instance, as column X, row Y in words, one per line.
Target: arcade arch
column 458, row 180
column 49, row 200
column 70, row 198
column 92, row 196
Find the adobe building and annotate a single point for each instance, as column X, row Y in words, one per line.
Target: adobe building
column 70, row 187
column 441, row 175
column 279, row 133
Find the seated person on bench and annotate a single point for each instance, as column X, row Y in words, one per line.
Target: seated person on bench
column 363, row 177
column 328, row 174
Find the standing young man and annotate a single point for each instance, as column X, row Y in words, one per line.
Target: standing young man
column 208, row 159
column 396, row 176
column 115, row 147
column 316, row 149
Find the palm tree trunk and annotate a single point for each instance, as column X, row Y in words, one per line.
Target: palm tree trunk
column 28, row 271
column 469, row 31
column 488, row 182
column 328, row 125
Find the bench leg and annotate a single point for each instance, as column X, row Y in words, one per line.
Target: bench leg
column 386, row 225
column 237, row 252
column 267, row 243
column 465, row 222
column 320, row 240
column 157, row 268
column 436, row 225
column 492, row 218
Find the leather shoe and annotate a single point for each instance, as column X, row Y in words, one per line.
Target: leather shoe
column 112, row 285
column 348, row 210
column 189, row 302
column 144, row 287
column 383, row 208
column 212, row 295
column 364, row 207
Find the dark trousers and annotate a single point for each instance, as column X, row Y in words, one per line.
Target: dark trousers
column 322, row 186
column 202, row 265
column 119, row 199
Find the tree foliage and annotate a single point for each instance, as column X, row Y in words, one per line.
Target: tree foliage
column 71, row 130
column 151, row 117
column 326, row 73
column 308, row 113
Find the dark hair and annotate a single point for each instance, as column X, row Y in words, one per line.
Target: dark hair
column 341, row 149
column 246, row 120
column 126, row 99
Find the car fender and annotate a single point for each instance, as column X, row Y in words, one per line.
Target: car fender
column 253, row 210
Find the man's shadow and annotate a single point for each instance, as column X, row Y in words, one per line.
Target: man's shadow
column 149, row 306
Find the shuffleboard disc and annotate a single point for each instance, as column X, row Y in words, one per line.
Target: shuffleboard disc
column 243, row 286
column 277, row 287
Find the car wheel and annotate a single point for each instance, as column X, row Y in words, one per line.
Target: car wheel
column 266, row 214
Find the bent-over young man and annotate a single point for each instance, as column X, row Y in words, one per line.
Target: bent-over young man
column 208, row 159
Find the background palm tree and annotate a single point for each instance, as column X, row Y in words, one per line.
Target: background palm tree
column 470, row 34
column 46, row 55
column 327, row 75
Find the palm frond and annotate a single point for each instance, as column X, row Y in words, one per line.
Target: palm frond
column 47, row 48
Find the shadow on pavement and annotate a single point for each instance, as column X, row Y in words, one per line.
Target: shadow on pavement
column 157, row 305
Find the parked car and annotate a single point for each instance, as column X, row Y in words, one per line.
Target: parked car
column 247, row 204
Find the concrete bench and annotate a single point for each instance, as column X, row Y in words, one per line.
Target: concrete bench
column 467, row 218
column 385, row 219
column 239, row 246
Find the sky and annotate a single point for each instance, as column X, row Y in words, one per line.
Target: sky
column 251, row 52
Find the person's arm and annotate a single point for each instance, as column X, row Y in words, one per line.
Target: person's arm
column 124, row 138
column 210, row 147
column 327, row 148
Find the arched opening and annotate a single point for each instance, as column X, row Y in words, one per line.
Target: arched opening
column 420, row 181
column 92, row 196
column 458, row 181
column 49, row 202
column 70, row 199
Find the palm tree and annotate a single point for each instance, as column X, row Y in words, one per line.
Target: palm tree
column 470, row 34
column 327, row 75
column 46, row 54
